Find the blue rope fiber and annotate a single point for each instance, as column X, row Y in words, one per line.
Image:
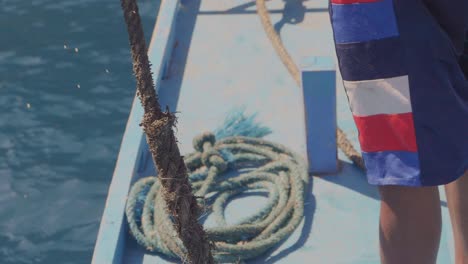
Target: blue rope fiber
column 238, row 124
column 263, row 165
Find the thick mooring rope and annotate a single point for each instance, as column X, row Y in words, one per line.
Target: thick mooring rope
column 158, row 127
column 343, row 143
column 270, row 167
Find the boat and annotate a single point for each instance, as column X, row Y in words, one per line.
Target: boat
column 210, row 56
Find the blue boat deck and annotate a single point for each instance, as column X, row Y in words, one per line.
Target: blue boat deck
column 221, row 58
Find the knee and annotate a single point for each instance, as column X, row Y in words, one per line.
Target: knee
column 394, row 192
column 411, row 203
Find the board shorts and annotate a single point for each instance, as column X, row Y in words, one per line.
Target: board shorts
column 400, row 64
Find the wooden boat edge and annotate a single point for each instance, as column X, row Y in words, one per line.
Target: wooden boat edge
column 110, row 241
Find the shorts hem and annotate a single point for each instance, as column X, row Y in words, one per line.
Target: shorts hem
column 415, row 182
column 394, row 181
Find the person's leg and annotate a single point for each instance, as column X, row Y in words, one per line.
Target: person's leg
column 410, row 224
column 457, row 199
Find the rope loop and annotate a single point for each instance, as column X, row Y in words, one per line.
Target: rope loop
column 204, row 140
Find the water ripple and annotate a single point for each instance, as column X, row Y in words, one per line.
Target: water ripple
column 66, row 88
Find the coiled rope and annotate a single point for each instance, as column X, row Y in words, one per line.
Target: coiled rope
column 271, row 167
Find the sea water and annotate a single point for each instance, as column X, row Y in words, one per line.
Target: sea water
column 66, row 88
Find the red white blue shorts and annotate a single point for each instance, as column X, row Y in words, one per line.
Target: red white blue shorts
column 406, row 90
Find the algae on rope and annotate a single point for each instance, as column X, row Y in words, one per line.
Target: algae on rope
column 158, row 127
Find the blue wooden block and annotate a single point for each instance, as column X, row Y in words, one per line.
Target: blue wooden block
column 319, row 91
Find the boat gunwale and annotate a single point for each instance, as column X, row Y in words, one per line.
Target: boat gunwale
column 110, row 242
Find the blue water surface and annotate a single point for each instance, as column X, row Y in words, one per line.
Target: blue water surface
column 66, row 88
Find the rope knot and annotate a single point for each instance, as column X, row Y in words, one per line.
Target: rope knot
column 211, row 157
